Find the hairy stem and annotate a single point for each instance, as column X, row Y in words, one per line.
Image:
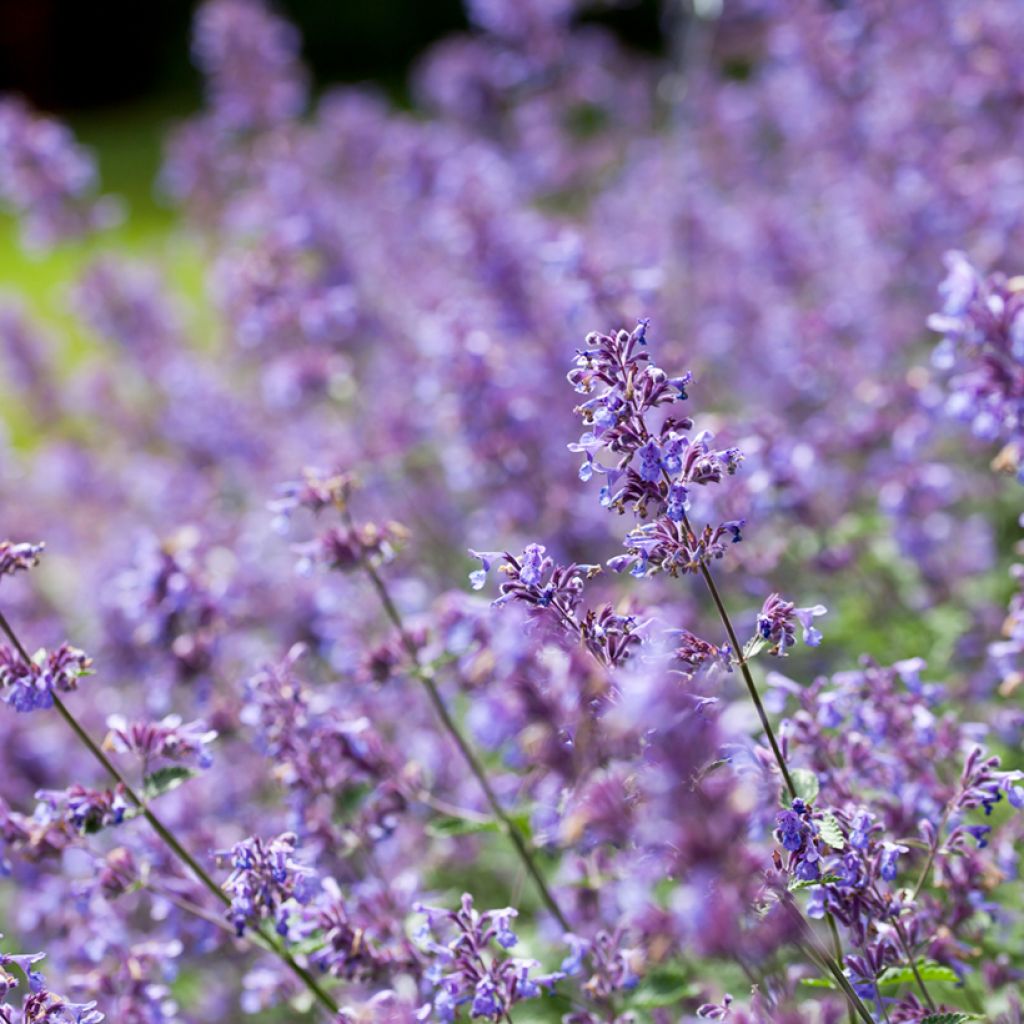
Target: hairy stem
column 425, row 674
column 904, row 942
column 837, row 945
column 166, row 835
column 834, row 964
column 748, row 678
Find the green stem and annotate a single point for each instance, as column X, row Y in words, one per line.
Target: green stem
column 425, row 674
column 837, row 945
column 165, row 834
column 833, row 964
column 904, row 942
column 748, row 678
column 933, row 850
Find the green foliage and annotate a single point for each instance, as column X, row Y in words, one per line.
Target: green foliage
column 806, row 783
column 163, row 780
column 928, row 970
column 664, row 986
column 453, row 826
column 831, row 831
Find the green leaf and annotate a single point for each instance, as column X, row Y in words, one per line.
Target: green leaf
column 800, row 884
column 806, row 783
column 163, row 780
column 440, row 828
column 929, row 970
column 753, row 647
column 348, row 800
column 818, row 983
column 831, row 831
column 664, row 986
column 957, row 1017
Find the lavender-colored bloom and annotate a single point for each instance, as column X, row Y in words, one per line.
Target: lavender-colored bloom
column 266, row 881
column 47, row 178
column 554, row 593
column 30, row 686
column 250, row 59
column 775, row 625
column 465, row 971
column 791, row 830
column 981, row 323
column 656, row 466
column 890, row 855
column 18, row 557
column 39, row 1006
column 168, row 740
column 82, row 809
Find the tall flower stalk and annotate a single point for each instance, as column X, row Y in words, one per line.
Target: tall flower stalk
column 364, row 547
column 657, row 468
column 165, row 834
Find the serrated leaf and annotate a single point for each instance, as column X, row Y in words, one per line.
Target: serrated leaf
column 453, row 826
column 831, row 831
column 663, row 987
column 929, row 970
column 806, row 784
column 163, row 780
column 809, row 883
column 957, row 1017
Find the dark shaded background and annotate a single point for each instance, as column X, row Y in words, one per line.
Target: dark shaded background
column 69, row 55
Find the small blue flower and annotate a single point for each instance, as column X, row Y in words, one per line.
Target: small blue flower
column 791, row 830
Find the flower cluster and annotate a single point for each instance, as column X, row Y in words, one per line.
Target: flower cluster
column 31, row 685
column 39, row 1006
column 18, row 557
column 47, row 178
column 656, row 468
column 266, row 882
column 554, row 593
column 467, row 971
column 348, row 547
column 982, row 324
column 83, row 809
column 250, row 59
column 167, row 740
column 776, row 624
column 391, row 287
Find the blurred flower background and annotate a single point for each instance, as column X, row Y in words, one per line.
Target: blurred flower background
column 290, row 294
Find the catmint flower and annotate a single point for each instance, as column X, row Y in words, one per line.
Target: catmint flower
column 48, row 179
column 25, row 962
column 791, row 830
column 887, row 862
column 250, row 59
column 775, row 624
column 18, row 557
column 697, row 653
column 658, row 547
column 83, row 809
column 467, row 970
column 556, row 593
column 345, row 548
column 30, row 686
column 983, row 785
column 478, row 578
column 982, row 351
column 167, row 739
column 265, row 879
column 655, row 466
column 316, row 491
column 39, row 1005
